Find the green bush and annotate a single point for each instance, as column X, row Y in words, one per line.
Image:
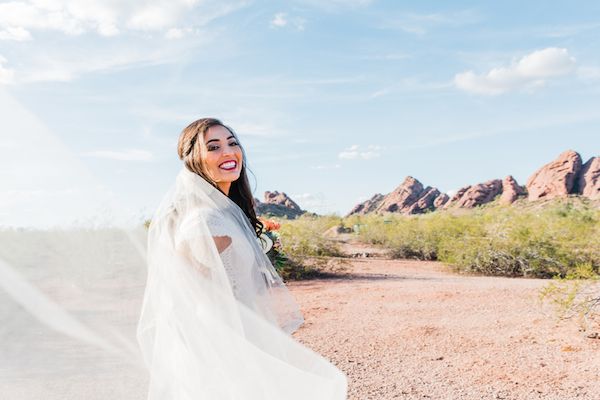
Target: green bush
column 495, row 240
column 575, row 295
column 303, row 236
column 304, row 247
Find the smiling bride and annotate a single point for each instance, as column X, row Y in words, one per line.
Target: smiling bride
column 217, row 319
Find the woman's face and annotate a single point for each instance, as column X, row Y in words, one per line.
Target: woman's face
column 222, row 156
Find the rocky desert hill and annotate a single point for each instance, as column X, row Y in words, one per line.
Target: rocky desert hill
column 566, row 175
column 278, row 204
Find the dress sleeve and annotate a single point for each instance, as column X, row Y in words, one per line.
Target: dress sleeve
column 216, row 223
column 194, row 238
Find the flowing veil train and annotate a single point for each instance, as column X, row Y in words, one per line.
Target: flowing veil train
column 103, row 308
column 206, row 334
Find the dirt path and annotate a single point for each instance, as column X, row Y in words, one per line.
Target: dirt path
column 411, row 330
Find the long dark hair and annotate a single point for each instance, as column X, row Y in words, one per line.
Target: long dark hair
column 189, row 150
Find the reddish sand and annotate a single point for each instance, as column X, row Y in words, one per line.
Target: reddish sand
column 411, row 330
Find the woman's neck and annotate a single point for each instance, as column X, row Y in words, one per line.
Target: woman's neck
column 224, row 187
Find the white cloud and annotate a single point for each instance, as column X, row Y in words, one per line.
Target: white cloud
column 107, row 18
column 379, row 93
column 421, row 24
column 530, row 71
column 48, row 59
column 299, row 23
column 335, row 5
column 315, row 202
column 153, row 17
column 18, row 34
column 69, row 63
column 353, row 152
column 174, row 33
column 7, row 75
column 281, row 20
column 67, row 16
column 123, row 155
column 332, row 166
column 303, row 196
column 546, row 63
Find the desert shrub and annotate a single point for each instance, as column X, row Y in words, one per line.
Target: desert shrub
column 292, row 268
column 303, row 248
column 304, row 237
column 495, row 240
column 577, row 295
column 417, row 236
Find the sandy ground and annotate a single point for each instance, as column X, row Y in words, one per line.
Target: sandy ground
column 398, row 329
column 411, row 330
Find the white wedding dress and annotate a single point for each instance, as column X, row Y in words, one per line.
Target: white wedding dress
column 217, row 325
column 89, row 312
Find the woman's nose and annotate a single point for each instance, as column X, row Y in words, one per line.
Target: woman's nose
column 227, row 150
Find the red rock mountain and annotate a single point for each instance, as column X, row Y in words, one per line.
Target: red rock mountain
column 278, row 204
column 510, row 190
column 560, row 178
column 476, row 195
column 403, row 197
column 556, row 178
column 368, row 206
column 588, row 183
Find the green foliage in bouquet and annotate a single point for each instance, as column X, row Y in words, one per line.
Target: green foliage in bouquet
column 275, row 254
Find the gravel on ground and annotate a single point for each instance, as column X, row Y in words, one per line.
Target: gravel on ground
column 404, row 329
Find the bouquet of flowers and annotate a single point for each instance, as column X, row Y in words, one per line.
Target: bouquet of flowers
column 271, row 242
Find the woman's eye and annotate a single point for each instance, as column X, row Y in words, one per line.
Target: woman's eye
column 211, row 148
column 233, row 144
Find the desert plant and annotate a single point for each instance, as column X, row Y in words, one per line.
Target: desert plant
column 304, row 237
column 303, row 249
column 495, row 240
column 577, row 295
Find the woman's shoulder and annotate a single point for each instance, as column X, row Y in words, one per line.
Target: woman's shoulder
column 205, row 220
column 214, row 218
column 207, row 215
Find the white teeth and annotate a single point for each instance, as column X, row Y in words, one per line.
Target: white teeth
column 228, row 165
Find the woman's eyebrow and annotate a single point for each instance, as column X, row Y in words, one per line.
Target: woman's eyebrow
column 216, row 140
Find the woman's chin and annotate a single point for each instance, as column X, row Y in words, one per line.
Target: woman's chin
column 230, row 177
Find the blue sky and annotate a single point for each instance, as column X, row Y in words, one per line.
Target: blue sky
column 334, row 101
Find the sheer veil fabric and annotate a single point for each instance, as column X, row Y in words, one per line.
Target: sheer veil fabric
column 218, row 325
